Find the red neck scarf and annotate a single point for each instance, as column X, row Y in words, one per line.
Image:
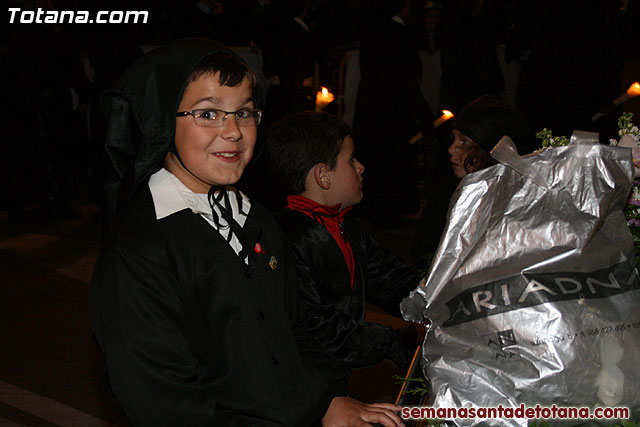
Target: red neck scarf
column 331, row 217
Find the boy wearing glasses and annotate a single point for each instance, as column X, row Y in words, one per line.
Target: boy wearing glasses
column 191, row 300
column 340, row 266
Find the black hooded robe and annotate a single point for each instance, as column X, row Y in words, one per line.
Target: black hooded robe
column 190, row 335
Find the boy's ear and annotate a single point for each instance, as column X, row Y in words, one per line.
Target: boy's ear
column 321, row 175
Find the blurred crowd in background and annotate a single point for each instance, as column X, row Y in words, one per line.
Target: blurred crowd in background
column 393, row 64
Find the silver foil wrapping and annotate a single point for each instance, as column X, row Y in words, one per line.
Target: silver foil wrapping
column 533, row 294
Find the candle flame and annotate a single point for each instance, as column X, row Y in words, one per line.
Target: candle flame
column 446, row 115
column 323, row 98
column 634, row 89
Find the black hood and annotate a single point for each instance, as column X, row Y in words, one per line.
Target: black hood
column 141, row 113
column 487, row 119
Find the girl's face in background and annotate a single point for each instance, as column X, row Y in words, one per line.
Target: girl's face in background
column 459, row 151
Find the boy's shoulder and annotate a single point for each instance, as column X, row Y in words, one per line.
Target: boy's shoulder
column 293, row 221
column 135, row 225
column 296, row 224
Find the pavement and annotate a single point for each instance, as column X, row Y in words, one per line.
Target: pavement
column 51, row 370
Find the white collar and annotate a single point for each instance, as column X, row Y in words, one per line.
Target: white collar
column 166, row 199
column 398, row 20
column 302, row 24
column 170, row 195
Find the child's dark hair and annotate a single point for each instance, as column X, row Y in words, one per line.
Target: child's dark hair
column 300, row 141
column 232, row 69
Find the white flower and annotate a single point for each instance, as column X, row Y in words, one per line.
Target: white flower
column 613, row 141
column 630, row 142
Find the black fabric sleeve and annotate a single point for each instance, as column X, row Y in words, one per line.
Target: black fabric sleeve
column 346, row 340
column 311, row 350
column 389, row 278
column 143, row 333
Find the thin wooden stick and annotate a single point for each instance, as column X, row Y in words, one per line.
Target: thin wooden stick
column 410, row 373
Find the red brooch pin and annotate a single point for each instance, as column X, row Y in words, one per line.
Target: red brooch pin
column 273, row 262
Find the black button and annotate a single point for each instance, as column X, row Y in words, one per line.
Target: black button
column 261, row 315
column 274, row 360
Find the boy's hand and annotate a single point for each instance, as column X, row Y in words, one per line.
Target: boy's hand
column 347, row 412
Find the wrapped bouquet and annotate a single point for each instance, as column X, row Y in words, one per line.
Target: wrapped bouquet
column 533, row 296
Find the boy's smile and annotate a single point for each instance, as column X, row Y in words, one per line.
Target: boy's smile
column 213, row 155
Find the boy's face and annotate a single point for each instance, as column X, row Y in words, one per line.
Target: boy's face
column 216, row 155
column 346, row 178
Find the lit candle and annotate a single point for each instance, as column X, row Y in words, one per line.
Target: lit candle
column 634, row 90
column 446, row 115
column 323, row 98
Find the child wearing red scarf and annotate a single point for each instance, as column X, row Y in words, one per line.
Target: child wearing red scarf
column 340, row 266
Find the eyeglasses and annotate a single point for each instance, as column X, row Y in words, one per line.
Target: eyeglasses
column 212, row 117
